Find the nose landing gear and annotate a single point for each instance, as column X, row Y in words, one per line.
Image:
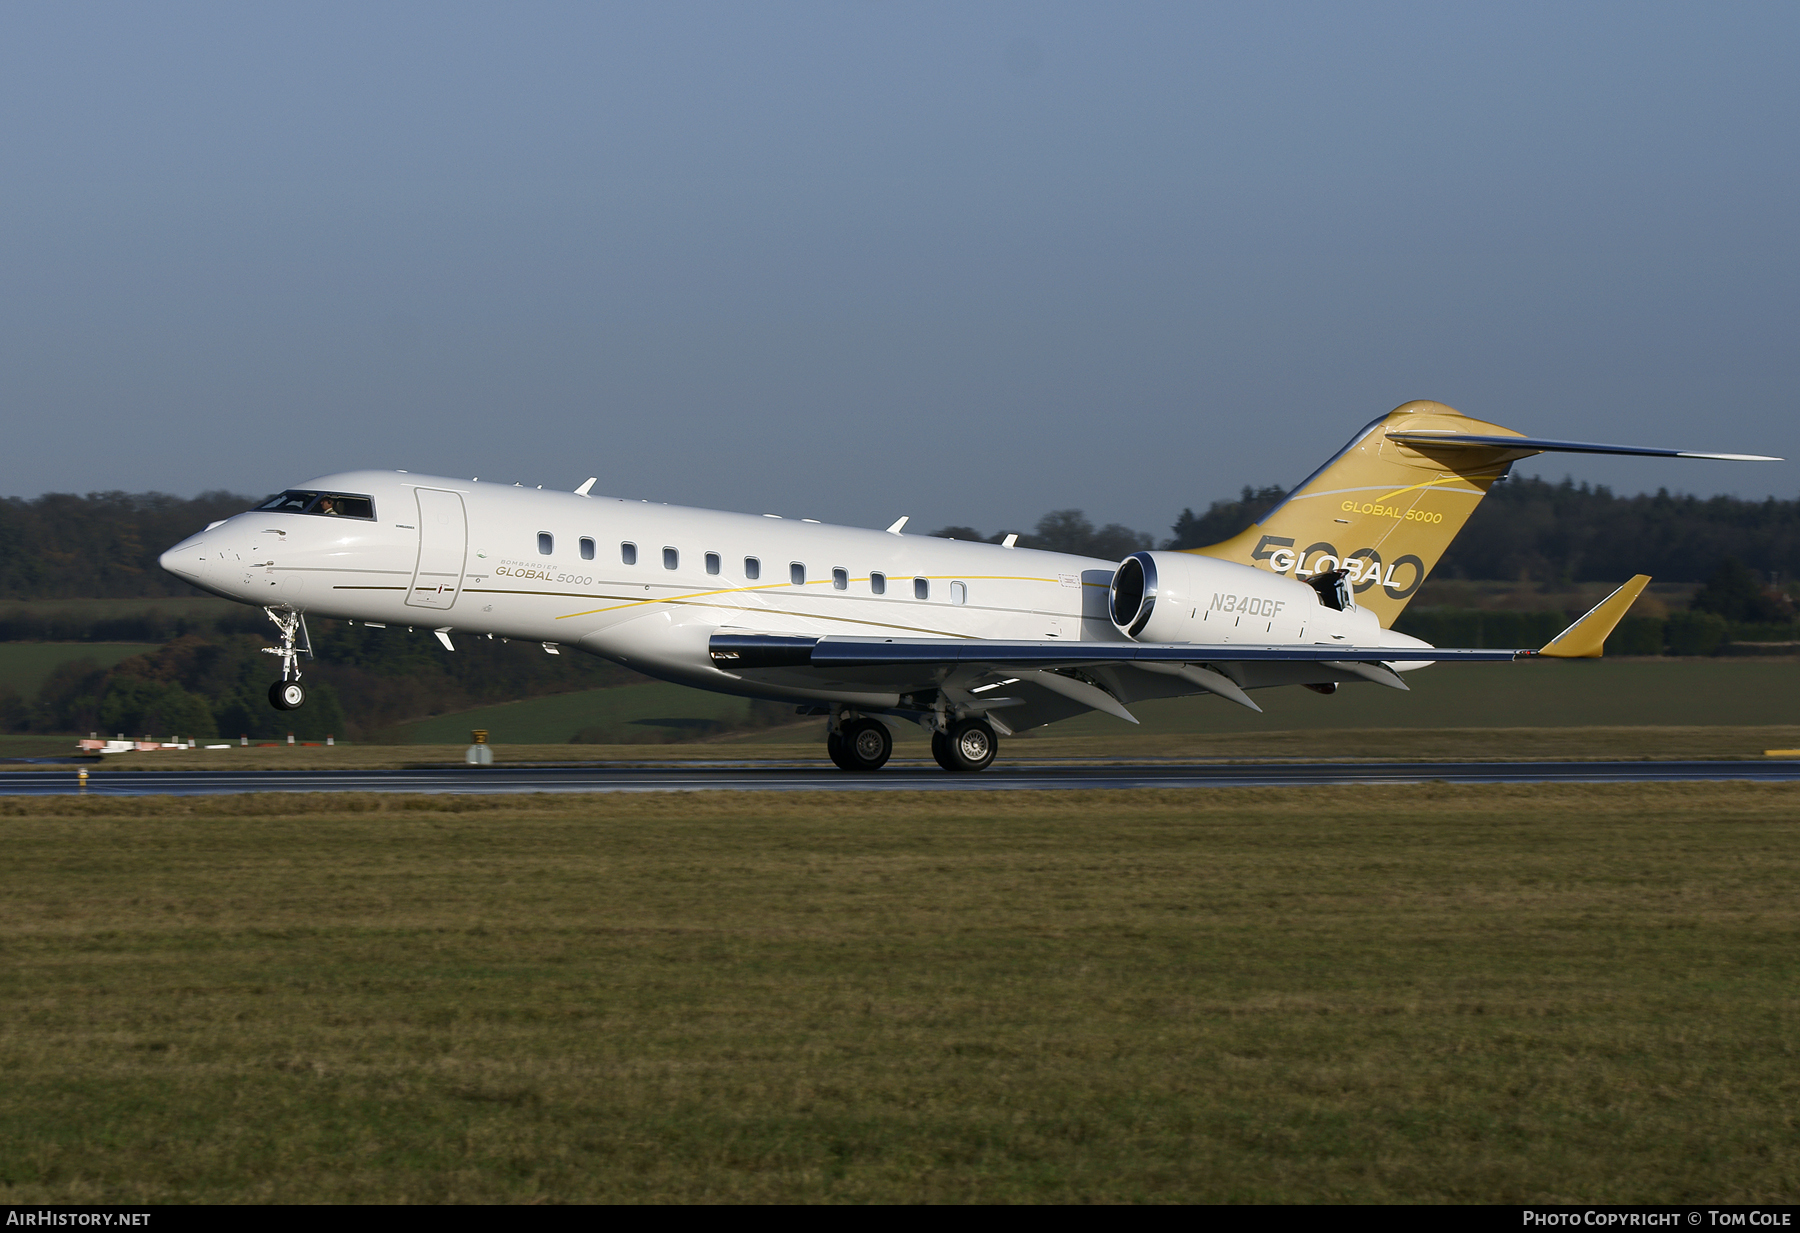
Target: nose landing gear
column 288, row 694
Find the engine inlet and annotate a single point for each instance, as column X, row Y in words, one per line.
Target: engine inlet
column 1133, row 595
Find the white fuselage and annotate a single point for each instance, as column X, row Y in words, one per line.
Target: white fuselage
column 481, row 558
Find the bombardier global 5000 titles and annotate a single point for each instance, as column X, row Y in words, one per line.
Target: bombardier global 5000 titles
column 971, row 641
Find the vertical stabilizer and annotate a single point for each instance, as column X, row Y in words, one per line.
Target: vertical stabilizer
column 1382, row 510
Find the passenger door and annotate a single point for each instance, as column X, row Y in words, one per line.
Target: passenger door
column 443, row 545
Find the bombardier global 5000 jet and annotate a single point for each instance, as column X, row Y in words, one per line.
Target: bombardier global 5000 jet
column 972, row 641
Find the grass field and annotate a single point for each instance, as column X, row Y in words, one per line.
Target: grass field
column 1608, row 693
column 1628, row 708
column 1552, row 694
column 1510, row 994
column 653, row 711
column 910, row 747
column 24, row 665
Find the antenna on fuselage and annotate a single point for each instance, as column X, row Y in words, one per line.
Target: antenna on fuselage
column 895, row 529
column 584, row 489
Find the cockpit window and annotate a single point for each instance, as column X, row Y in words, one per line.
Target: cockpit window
column 330, row 504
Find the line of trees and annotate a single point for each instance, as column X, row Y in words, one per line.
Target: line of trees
column 1533, row 530
column 1527, row 530
column 104, row 545
column 100, row 546
column 364, row 684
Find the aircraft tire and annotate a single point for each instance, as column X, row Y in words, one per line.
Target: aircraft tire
column 940, row 751
column 969, row 746
column 834, row 749
column 864, row 745
column 287, row 695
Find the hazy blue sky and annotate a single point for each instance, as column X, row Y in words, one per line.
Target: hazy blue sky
column 969, row 262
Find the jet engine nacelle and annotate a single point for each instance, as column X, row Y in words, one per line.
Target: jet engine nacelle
column 1182, row 597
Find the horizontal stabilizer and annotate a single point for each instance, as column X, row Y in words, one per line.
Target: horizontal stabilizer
column 1438, row 438
column 1585, row 638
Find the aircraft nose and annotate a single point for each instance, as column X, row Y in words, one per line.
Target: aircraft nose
column 186, row 560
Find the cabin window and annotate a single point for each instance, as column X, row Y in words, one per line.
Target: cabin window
column 959, row 593
column 796, row 573
column 921, row 588
column 671, row 559
column 546, row 543
column 878, row 584
column 840, row 579
column 752, row 568
column 628, row 553
column 587, row 548
column 712, row 562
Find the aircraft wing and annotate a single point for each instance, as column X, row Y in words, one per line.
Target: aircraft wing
column 1019, row 685
column 736, row 652
column 1023, row 684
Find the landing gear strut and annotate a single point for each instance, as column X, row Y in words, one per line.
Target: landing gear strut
column 860, row 745
column 288, row 694
column 970, row 745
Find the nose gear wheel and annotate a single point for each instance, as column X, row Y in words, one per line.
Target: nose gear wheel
column 287, row 695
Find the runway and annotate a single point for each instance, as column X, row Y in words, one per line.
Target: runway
column 752, row 777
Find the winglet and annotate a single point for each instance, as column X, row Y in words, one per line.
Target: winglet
column 1585, row 638
column 583, row 490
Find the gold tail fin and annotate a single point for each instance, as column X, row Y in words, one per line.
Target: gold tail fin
column 1382, row 509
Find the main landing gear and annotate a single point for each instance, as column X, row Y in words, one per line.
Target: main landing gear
column 288, row 694
column 858, row 743
column 970, row 745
